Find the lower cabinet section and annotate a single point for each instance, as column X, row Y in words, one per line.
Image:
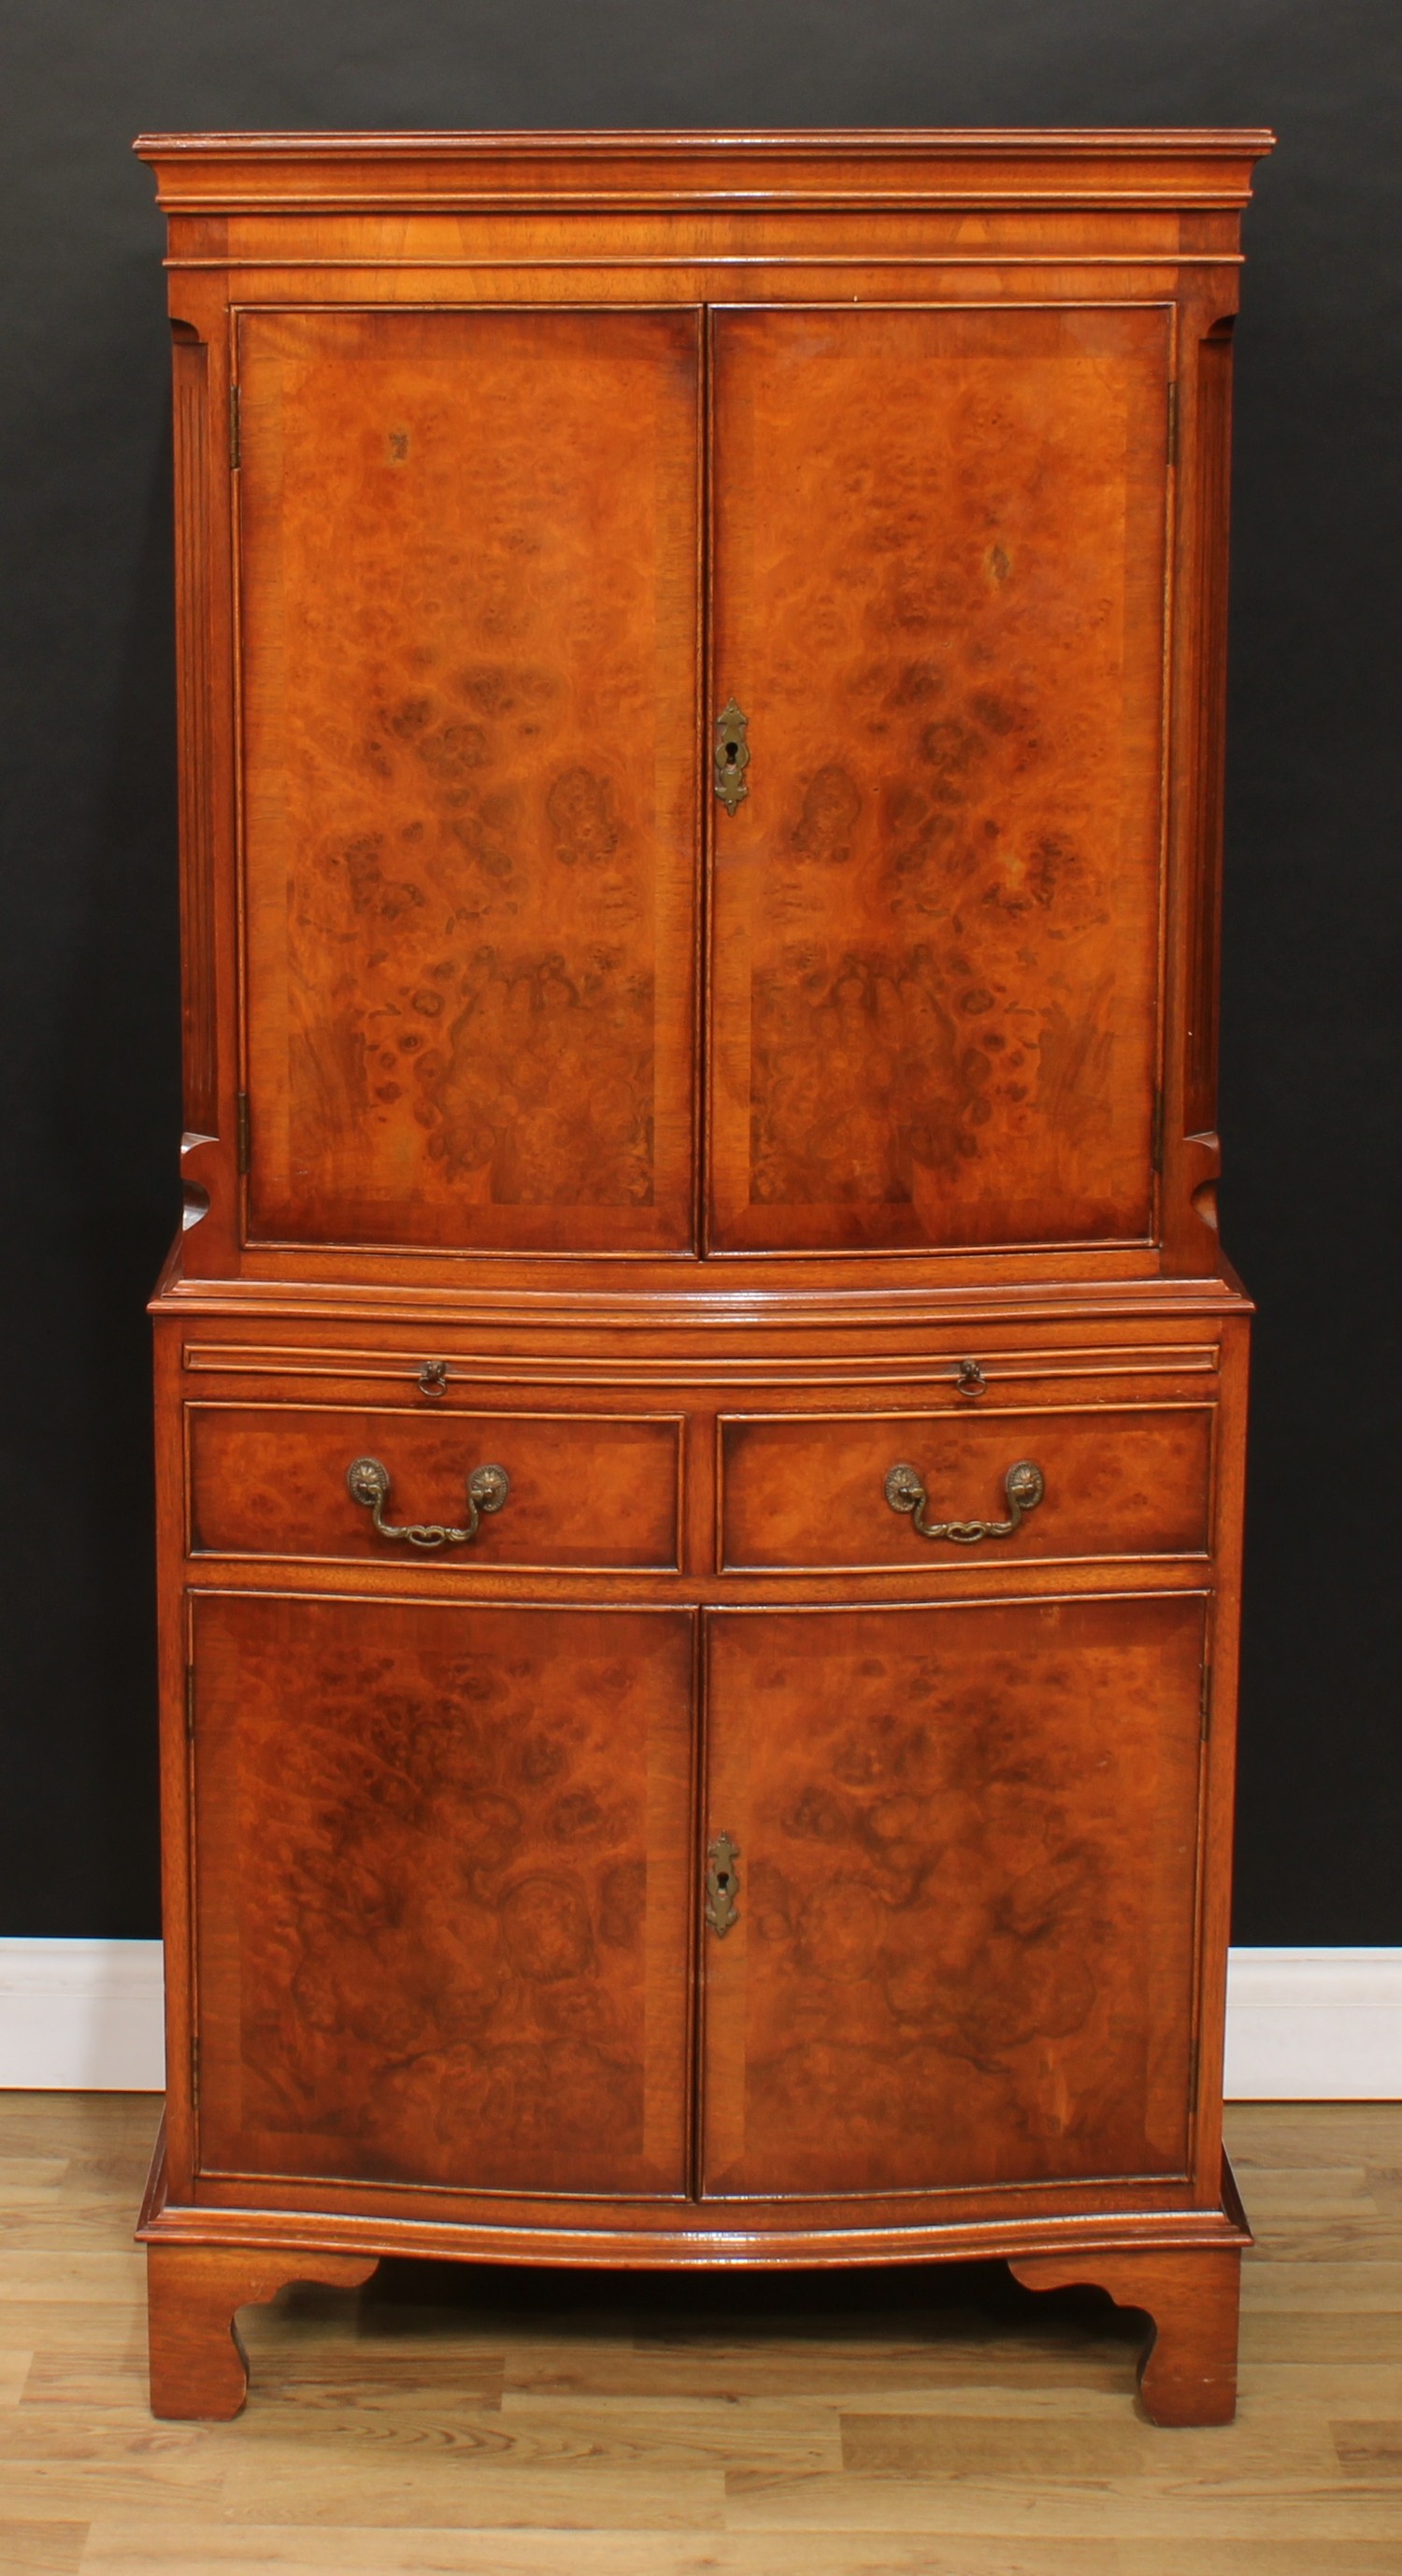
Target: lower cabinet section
column 443, row 1891
column 451, row 1891
column 963, row 1950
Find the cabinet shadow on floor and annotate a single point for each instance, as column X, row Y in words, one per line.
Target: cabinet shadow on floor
column 751, row 2327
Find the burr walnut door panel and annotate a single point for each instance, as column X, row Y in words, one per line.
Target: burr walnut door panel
column 964, row 1946
column 443, row 1892
column 469, row 615
column 939, row 603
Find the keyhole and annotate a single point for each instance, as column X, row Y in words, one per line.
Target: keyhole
column 732, row 752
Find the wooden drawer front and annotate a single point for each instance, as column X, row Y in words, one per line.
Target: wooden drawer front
column 808, row 1491
column 269, row 1480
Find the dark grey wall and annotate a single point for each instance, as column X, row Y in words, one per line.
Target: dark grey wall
column 88, row 946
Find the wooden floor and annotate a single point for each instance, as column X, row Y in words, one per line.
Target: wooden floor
column 478, row 2423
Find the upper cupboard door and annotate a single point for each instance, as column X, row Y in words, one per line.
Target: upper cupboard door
column 939, row 604
column 468, row 595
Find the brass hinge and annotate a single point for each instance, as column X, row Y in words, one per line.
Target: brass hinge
column 190, row 1701
column 243, row 1136
column 1205, row 1703
column 235, row 456
column 1173, row 421
column 1156, row 1133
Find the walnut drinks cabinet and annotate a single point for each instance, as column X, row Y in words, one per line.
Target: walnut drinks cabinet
column 700, row 1408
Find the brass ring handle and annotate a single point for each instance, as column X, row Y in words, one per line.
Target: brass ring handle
column 487, row 1489
column 1023, row 1484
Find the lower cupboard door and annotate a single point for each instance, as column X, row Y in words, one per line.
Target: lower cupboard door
column 964, row 1879
column 442, row 1892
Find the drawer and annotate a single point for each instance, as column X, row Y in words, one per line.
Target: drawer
column 808, row 1491
column 583, row 1491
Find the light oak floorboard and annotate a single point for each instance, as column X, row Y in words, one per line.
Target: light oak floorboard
column 115, row 2551
column 1312, row 2133
column 452, row 2422
column 96, row 2279
column 268, row 2550
column 1324, row 2288
column 42, row 2548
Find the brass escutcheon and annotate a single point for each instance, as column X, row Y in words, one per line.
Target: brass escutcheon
column 1024, row 1485
column 732, row 756
column 722, row 1885
column 487, row 1489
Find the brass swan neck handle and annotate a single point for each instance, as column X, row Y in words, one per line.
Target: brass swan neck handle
column 1024, row 1485
column 487, row 1489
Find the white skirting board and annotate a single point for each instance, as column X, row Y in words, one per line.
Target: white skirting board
column 1302, row 2025
column 81, row 2016
column 1314, row 2026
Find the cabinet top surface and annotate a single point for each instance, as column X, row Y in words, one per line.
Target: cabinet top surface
column 1181, row 164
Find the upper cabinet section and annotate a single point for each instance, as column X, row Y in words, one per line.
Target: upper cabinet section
column 507, row 467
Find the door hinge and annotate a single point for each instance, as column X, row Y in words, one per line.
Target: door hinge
column 235, row 454
column 1173, row 421
column 243, row 1134
column 1156, row 1133
column 1205, row 1703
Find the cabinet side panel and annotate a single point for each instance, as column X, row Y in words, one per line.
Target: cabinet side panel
column 469, row 583
column 940, row 570
column 190, row 360
column 968, row 1894
column 1214, row 499
column 443, row 1884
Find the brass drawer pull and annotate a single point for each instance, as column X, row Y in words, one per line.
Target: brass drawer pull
column 487, row 1489
column 1023, row 1484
